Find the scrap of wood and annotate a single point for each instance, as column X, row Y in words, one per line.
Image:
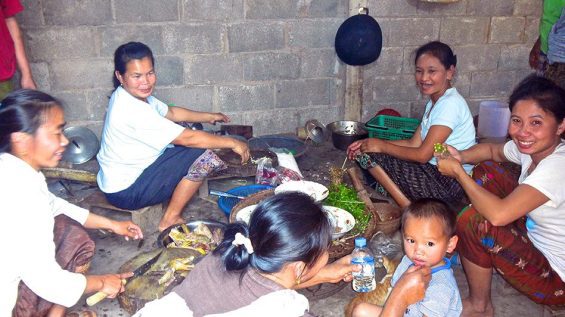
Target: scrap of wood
column 70, row 174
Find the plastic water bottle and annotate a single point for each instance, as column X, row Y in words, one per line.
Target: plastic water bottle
column 364, row 280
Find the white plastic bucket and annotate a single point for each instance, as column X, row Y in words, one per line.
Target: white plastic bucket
column 494, row 117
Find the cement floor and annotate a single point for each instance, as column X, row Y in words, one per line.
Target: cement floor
column 113, row 251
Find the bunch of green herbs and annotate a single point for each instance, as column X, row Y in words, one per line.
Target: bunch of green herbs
column 345, row 197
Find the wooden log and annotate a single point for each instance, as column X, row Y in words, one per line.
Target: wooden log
column 362, row 193
column 70, row 174
column 382, row 178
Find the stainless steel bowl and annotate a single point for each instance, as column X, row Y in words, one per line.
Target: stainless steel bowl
column 345, row 132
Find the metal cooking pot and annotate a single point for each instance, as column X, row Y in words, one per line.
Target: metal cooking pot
column 346, row 132
column 359, row 39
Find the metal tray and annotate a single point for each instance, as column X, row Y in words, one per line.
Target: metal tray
column 163, row 239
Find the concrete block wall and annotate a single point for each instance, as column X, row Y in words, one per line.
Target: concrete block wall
column 269, row 63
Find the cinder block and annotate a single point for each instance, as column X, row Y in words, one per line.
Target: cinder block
column 413, row 31
column 408, row 62
column 492, row 84
column 114, row 36
column 32, row 15
column 199, row 98
column 302, row 93
column 477, row 57
column 313, row 33
column 81, row 74
column 97, row 100
column 507, row 30
column 514, row 57
column 61, row 43
column 246, row 97
column 389, row 63
column 442, row 9
column 531, row 30
column 528, row 7
column 324, row 8
column 462, row 82
column 41, row 77
column 255, row 36
column 218, row 10
column 169, row 70
column 321, row 63
column 271, row 66
column 75, row 105
column 268, row 9
column 81, row 106
column 395, row 88
column 128, row 11
column 214, row 68
column 324, row 114
column 392, row 8
column 193, row 38
column 464, row 31
column 73, row 13
column 371, row 109
column 272, row 121
column 490, row 7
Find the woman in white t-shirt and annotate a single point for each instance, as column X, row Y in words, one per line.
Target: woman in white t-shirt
column 447, row 119
column 147, row 158
column 516, row 227
column 42, row 235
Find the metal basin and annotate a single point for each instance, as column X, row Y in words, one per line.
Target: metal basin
column 345, row 132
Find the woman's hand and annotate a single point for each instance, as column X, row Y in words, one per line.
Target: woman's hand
column 127, row 229
column 339, row 270
column 112, row 284
column 242, row 149
column 372, row 145
column 219, row 117
column 449, row 166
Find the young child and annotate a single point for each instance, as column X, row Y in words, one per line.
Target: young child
column 428, row 229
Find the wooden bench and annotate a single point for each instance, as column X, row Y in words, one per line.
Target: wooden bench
column 147, row 218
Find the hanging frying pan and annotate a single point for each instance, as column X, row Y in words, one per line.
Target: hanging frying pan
column 359, row 39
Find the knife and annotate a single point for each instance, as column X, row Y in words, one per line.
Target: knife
column 96, row 298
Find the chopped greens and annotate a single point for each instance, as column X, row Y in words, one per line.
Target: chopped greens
column 345, row 197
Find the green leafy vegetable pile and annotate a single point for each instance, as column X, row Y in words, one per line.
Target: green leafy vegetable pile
column 345, row 197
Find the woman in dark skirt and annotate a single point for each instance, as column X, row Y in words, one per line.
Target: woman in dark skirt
column 447, row 119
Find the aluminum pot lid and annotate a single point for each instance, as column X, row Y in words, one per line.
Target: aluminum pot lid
column 83, row 145
column 359, row 40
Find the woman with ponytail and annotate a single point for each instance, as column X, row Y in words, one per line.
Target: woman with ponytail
column 258, row 266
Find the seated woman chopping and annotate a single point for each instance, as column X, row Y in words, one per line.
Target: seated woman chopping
column 145, row 157
column 447, row 119
column 257, row 267
column 46, row 247
column 516, row 227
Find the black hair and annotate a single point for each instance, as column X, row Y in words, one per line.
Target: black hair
column 440, row 51
column 125, row 53
column 548, row 95
column 283, row 228
column 427, row 208
column 23, row 110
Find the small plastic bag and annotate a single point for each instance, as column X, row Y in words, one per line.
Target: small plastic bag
column 287, row 174
column 266, row 174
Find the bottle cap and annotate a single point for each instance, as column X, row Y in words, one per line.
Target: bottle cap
column 360, row 242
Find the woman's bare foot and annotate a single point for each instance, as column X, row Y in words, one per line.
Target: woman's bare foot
column 476, row 310
column 167, row 222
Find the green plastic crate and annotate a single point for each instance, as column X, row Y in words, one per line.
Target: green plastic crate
column 391, row 128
